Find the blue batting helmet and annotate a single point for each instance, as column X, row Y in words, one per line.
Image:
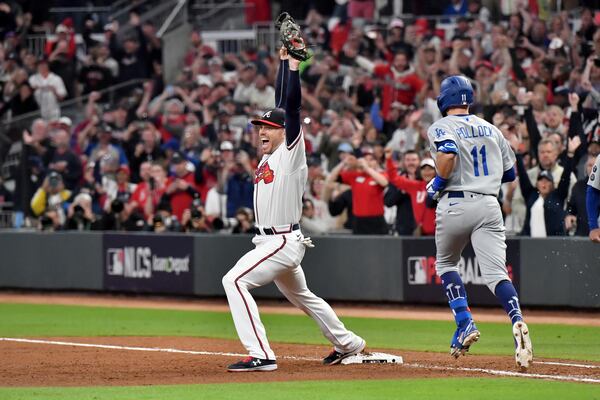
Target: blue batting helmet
column 455, row 90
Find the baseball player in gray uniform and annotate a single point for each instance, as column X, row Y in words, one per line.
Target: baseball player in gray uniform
column 278, row 188
column 593, row 201
column 472, row 159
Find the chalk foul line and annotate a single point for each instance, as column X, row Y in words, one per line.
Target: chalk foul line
column 410, row 365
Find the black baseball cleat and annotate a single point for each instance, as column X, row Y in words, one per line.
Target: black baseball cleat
column 335, row 357
column 250, row 364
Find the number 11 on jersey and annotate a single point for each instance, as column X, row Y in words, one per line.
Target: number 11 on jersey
column 476, row 160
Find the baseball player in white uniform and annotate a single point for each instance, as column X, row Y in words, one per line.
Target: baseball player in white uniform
column 472, row 159
column 278, row 188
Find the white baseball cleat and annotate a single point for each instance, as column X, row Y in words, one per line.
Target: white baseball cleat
column 523, row 348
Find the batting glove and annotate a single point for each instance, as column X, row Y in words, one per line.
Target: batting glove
column 307, row 241
column 435, row 187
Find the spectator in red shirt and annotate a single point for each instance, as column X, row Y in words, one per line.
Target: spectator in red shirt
column 400, row 82
column 181, row 187
column 368, row 183
column 149, row 191
column 423, row 210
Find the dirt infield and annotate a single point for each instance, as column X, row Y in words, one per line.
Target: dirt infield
column 45, row 364
column 103, row 361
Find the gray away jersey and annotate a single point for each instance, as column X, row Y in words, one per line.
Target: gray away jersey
column 483, row 153
column 594, row 179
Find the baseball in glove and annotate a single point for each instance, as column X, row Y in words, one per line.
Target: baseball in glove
column 291, row 37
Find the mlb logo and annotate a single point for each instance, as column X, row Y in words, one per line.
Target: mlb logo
column 115, row 260
column 417, row 270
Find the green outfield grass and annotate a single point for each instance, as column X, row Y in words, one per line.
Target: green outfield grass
column 22, row 320
column 407, row 389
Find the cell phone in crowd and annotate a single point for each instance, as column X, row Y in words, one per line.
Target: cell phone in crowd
column 597, row 62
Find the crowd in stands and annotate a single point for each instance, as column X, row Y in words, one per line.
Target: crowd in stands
column 182, row 156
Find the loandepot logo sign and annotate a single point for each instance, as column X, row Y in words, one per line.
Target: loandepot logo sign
column 139, row 262
column 421, row 271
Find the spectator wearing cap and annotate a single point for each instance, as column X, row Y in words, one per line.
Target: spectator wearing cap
column 576, row 221
column 547, row 156
column 61, row 158
column 49, row 91
column 132, row 56
column 50, row 198
column 61, row 55
column 395, row 40
column 181, row 187
column 103, row 147
column 368, row 184
column 545, row 204
column 423, row 209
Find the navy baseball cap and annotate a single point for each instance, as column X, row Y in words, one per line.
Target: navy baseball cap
column 177, row 158
column 274, row 117
column 545, row 175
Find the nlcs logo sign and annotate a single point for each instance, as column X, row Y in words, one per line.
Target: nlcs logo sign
column 421, row 271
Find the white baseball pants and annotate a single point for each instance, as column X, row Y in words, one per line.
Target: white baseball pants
column 277, row 258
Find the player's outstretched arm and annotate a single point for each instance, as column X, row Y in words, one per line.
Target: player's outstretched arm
column 283, row 74
column 293, row 103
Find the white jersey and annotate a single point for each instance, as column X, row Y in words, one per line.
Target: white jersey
column 594, row 180
column 279, row 185
column 483, row 153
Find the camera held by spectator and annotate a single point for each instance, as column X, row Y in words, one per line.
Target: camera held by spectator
column 195, row 220
column 245, row 221
column 164, row 220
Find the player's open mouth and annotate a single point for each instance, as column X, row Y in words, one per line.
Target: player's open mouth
column 264, row 142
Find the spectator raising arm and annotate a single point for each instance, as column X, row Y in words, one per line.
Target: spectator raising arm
column 377, row 176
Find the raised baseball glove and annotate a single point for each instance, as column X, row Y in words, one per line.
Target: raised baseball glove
column 291, row 37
